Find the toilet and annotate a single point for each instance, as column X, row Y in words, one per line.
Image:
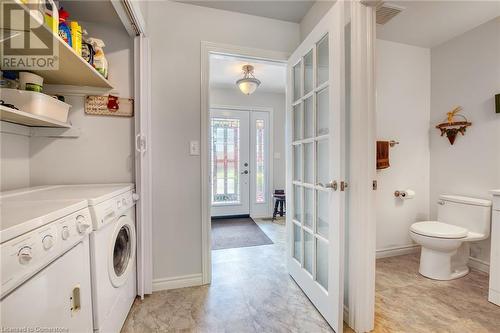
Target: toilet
column 445, row 242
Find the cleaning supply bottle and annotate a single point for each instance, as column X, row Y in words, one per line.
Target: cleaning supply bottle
column 76, row 37
column 100, row 61
column 64, row 30
column 50, row 14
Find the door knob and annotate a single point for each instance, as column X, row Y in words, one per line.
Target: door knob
column 333, row 185
column 245, row 172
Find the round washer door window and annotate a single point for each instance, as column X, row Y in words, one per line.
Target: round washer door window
column 122, row 254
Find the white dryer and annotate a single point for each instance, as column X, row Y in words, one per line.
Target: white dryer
column 112, row 246
column 45, row 266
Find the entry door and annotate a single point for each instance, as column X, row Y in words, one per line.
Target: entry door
column 230, row 162
column 315, row 221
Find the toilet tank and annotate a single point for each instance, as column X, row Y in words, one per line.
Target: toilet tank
column 470, row 213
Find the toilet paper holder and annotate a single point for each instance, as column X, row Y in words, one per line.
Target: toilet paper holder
column 402, row 194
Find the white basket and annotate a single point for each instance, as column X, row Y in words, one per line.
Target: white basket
column 36, row 103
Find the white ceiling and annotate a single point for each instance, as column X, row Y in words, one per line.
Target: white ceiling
column 431, row 23
column 226, row 70
column 286, row 10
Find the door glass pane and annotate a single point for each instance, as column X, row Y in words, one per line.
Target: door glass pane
column 225, row 160
column 260, row 183
column 322, row 214
column 309, row 163
column 322, row 60
column 322, row 165
column 308, row 251
column 297, row 203
column 297, row 122
column 297, row 162
column 322, row 263
column 296, row 82
column 308, row 207
column 308, row 118
column 323, row 113
column 297, row 240
column 308, row 72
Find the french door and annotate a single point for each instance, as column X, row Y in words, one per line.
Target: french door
column 315, row 120
column 239, row 142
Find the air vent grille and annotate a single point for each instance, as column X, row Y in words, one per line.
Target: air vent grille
column 385, row 12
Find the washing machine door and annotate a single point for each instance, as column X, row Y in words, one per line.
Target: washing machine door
column 122, row 253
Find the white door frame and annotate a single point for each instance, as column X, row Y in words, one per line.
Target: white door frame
column 270, row 111
column 362, row 169
column 208, row 48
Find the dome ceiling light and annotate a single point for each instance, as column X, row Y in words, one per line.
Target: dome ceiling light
column 248, row 84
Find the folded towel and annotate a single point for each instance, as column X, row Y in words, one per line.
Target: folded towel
column 382, row 155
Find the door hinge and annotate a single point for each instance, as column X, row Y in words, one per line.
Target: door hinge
column 343, row 185
column 374, row 185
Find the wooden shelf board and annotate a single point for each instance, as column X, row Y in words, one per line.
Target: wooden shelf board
column 28, row 119
column 73, row 69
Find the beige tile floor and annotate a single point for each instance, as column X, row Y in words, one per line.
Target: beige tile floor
column 251, row 292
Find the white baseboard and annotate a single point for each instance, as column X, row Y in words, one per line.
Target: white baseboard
column 177, row 282
column 479, row 264
column 397, row 251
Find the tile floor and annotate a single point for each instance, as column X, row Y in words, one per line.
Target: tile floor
column 251, row 292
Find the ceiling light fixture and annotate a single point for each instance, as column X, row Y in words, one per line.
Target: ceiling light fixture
column 248, row 84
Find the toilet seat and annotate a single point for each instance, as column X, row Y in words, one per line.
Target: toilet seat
column 439, row 230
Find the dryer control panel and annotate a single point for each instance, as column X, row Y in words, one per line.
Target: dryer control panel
column 24, row 256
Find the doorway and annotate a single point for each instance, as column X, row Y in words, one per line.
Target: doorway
column 240, row 162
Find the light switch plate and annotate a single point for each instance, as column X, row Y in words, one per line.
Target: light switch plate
column 194, row 148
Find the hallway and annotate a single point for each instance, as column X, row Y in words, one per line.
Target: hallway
column 251, row 291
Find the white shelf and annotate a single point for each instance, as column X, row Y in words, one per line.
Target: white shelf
column 28, row 119
column 73, row 69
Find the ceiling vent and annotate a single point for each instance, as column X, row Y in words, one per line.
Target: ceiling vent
column 386, row 11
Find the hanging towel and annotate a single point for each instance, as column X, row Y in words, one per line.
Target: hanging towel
column 382, row 155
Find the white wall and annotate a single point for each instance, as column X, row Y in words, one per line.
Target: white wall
column 466, row 72
column 313, row 16
column 176, row 31
column 233, row 97
column 14, row 156
column 403, row 111
column 104, row 151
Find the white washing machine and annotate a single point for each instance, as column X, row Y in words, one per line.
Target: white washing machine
column 45, row 266
column 112, row 247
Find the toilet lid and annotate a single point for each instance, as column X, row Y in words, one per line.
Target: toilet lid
column 438, row 229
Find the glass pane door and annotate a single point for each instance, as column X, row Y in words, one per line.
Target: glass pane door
column 311, row 164
column 230, row 168
column 314, row 218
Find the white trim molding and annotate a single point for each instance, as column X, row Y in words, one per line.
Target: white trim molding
column 207, row 48
column 177, row 282
column 479, row 265
column 362, row 220
column 397, row 251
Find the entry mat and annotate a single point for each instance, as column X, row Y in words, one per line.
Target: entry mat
column 237, row 232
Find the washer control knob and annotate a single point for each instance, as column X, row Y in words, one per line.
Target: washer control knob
column 119, row 204
column 124, row 201
column 47, row 242
column 81, row 224
column 24, row 255
column 65, row 233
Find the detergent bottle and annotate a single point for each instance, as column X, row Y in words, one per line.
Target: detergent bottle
column 64, row 30
column 100, row 61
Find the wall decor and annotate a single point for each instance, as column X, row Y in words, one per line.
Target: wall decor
column 109, row 106
column 451, row 127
